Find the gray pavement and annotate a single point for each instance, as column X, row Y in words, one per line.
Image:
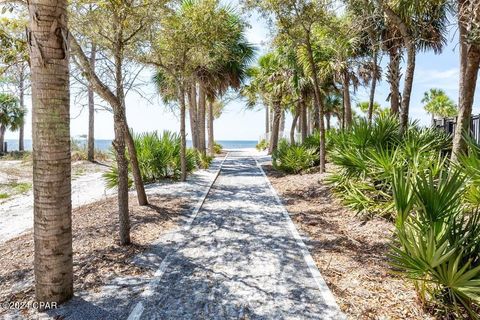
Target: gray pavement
column 240, row 258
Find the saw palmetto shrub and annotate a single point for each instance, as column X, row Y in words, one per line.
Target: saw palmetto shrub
column 293, row 158
column 366, row 156
column 436, row 242
column 158, row 158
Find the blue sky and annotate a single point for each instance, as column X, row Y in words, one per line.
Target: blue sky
column 236, row 123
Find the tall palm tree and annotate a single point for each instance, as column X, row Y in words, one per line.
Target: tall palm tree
column 469, row 25
column 51, row 150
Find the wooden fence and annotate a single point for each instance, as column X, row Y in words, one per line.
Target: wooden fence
column 449, row 125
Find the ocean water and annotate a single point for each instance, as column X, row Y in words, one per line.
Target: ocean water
column 105, row 145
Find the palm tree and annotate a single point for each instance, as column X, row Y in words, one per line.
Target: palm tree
column 12, row 116
column 468, row 22
column 437, row 103
column 51, row 150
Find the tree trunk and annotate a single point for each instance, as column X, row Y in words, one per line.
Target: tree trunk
column 137, row 175
column 120, row 128
column 393, row 78
column 303, row 118
column 267, row 121
column 21, row 89
column 202, row 100
column 277, row 114
column 52, row 232
column 328, row 116
column 91, row 111
column 192, row 104
column 211, row 138
column 347, row 103
column 294, row 124
column 373, row 87
column 3, row 129
column 122, row 165
column 317, row 102
column 408, row 84
column 183, row 138
column 469, row 66
column 282, row 123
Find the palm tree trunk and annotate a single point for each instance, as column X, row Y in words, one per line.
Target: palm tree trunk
column 52, row 230
column 21, row 89
column 183, row 138
column 277, row 114
column 319, row 110
column 328, row 116
column 292, row 129
column 393, row 78
column 210, row 129
column 469, row 68
column 373, row 87
column 201, row 118
column 192, row 103
column 408, row 84
column 91, row 111
column 347, row 103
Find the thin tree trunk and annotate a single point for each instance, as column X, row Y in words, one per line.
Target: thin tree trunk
column 277, row 114
column 469, row 68
column 201, row 118
column 91, row 111
column 192, row 103
column 267, row 121
column 317, row 103
column 328, row 116
column 52, row 232
column 294, row 124
column 373, row 87
column 393, row 78
column 408, row 84
column 303, row 118
column 3, row 128
column 282, row 123
column 21, row 87
column 137, row 175
column 347, row 100
column 211, row 137
column 183, row 138
column 122, row 165
column 120, row 128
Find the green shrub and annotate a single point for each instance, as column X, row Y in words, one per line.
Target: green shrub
column 437, row 240
column 262, row 145
column 203, row 160
column 217, row 148
column 158, row 158
column 292, row 158
column 366, row 156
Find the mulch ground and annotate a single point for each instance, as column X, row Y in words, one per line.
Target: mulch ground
column 350, row 253
column 98, row 257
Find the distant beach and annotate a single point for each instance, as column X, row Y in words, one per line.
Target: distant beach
column 105, row 145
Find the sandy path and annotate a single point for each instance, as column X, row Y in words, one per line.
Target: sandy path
column 16, row 213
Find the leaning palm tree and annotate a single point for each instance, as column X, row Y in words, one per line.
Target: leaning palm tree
column 51, row 151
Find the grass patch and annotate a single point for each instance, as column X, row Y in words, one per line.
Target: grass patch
column 4, row 195
column 21, row 187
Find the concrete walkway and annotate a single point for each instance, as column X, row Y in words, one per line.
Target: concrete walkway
column 240, row 258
